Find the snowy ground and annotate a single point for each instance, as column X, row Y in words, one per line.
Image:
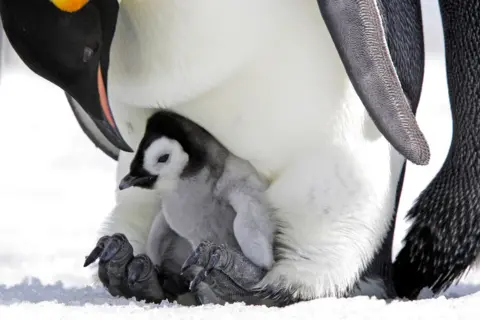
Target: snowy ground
column 56, row 188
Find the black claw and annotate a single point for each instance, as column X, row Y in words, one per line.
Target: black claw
column 204, row 250
column 96, row 251
column 214, row 258
column 191, row 260
column 92, row 256
column 195, row 255
column 201, row 276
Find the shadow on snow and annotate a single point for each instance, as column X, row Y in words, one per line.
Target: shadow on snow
column 32, row 290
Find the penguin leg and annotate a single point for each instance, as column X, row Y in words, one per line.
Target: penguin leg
column 227, row 272
column 122, row 273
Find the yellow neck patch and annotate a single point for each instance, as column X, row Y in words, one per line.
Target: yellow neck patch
column 69, row 5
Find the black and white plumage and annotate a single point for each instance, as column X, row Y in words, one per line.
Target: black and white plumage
column 207, row 192
column 233, row 79
column 84, row 30
column 211, row 198
column 443, row 241
column 302, row 124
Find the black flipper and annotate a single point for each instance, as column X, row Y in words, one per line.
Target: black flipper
column 91, row 130
column 357, row 31
column 444, row 239
column 402, row 20
column 404, row 32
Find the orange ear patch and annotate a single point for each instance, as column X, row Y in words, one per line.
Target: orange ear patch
column 69, row 5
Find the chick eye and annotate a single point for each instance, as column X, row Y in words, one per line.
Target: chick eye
column 163, row 158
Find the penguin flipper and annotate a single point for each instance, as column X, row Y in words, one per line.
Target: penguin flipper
column 91, row 130
column 403, row 25
column 358, row 33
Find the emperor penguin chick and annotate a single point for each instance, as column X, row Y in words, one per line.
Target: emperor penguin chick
column 210, row 197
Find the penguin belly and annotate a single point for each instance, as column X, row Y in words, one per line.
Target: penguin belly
column 275, row 93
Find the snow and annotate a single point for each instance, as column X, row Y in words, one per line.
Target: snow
column 56, row 188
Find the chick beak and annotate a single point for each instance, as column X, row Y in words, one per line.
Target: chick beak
column 136, row 181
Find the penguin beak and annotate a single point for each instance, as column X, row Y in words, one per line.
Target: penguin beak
column 68, row 43
column 131, row 180
column 69, row 5
column 91, row 93
column 357, row 31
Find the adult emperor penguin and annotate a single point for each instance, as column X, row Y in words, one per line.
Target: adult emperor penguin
column 280, row 83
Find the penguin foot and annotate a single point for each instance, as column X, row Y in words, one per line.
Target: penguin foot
column 228, row 273
column 150, row 281
column 143, row 279
column 122, row 273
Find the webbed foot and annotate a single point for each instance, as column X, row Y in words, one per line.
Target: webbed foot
column 228, row 273
column 122, row 273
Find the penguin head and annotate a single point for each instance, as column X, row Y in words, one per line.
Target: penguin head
column 68, row 42
column 156, row 165
column 167, row 153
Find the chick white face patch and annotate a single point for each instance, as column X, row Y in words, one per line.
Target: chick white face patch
column 165, row 158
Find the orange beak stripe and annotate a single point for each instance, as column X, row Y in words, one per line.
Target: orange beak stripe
column 102, row 92
column 69, row 5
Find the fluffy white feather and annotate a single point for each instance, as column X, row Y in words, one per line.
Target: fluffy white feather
column 169, row 171
column 265, row 79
